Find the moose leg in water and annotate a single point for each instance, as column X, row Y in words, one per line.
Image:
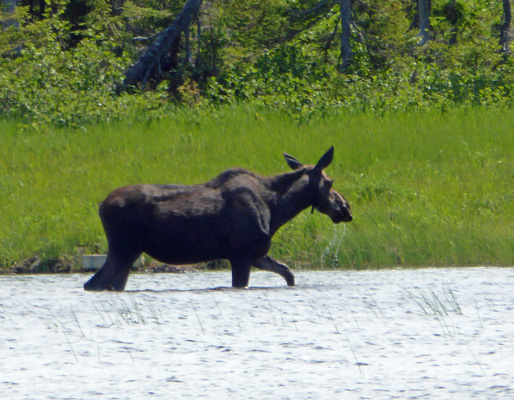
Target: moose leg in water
column 240, row 272
column 267, row 263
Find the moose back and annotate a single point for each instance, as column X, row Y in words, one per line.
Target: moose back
column 233, row 216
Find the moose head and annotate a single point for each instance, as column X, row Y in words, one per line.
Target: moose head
column 325, row 199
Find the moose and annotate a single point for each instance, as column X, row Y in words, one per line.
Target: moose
column 233, row 216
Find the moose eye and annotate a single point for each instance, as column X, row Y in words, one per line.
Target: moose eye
column 329, row 183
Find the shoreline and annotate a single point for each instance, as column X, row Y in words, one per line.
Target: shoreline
column 155, row 267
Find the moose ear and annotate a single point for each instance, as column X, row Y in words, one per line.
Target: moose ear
column 292, row 162
column 325, row 160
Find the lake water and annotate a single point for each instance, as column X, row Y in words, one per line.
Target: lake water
column 408, row 334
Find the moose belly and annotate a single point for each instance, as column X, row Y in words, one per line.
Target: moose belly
column 187, row 241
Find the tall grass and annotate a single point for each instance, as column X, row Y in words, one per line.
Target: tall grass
column 425, row 188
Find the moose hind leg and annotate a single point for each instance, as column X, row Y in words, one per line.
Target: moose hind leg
column 240, row 273
column 269, row 264
column 114, row 273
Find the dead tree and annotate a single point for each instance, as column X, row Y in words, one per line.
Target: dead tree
column 505, row 28
column 346, row 49
column 424, row 20
column 149, row 65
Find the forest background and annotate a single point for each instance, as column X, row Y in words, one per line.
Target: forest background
column 430, row 77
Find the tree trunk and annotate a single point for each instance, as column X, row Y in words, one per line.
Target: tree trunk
column 9, row 6
column 346, row 49
column 454, row 23
column 424, row 20
column 505, row 28
column 149, row 64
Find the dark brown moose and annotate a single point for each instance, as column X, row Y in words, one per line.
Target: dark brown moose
column 233, row 217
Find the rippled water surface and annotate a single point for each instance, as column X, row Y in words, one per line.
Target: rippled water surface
column 429, row 333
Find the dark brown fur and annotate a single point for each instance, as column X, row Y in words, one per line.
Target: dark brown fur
column 233, row 217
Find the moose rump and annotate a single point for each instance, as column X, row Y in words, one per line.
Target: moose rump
column 233, row 216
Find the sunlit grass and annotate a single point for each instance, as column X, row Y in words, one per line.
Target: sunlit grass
column 426, row 189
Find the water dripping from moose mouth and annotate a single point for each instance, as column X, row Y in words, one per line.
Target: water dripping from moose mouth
column 329, row 257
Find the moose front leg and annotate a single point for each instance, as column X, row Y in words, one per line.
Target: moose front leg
column 269, row 264
column 240, row 273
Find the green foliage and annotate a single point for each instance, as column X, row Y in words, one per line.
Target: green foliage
column 64, row 68
column 46, row 83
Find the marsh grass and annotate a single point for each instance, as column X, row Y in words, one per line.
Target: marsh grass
column 425, row 188
column 439, row 303
column 117, row 311
column 430, row 302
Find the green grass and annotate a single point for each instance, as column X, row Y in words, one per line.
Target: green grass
column 425, row 188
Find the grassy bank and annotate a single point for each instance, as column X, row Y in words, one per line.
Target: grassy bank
column 425, row 188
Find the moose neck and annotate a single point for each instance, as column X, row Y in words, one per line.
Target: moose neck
column 293, row 195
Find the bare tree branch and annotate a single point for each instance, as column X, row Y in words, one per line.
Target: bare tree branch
column 148, row 65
